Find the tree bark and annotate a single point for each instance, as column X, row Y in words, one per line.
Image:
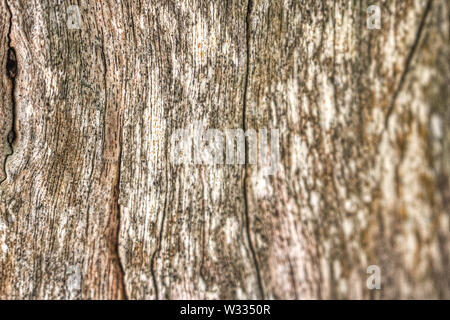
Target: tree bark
column 93, row 207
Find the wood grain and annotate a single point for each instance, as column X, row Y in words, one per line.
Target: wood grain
column 93, row 207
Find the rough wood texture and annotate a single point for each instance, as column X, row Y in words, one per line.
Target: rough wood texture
column 92, row 207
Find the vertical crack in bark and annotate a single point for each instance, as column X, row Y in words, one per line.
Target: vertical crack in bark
column 152, row 268
column 158, row 249
column 117, row 244
column 116, row 236
column 244, row 125
column 409, row 60
column 161, row 231
column 11, row 71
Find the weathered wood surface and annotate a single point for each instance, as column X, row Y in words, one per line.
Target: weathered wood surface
column 91, row 207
